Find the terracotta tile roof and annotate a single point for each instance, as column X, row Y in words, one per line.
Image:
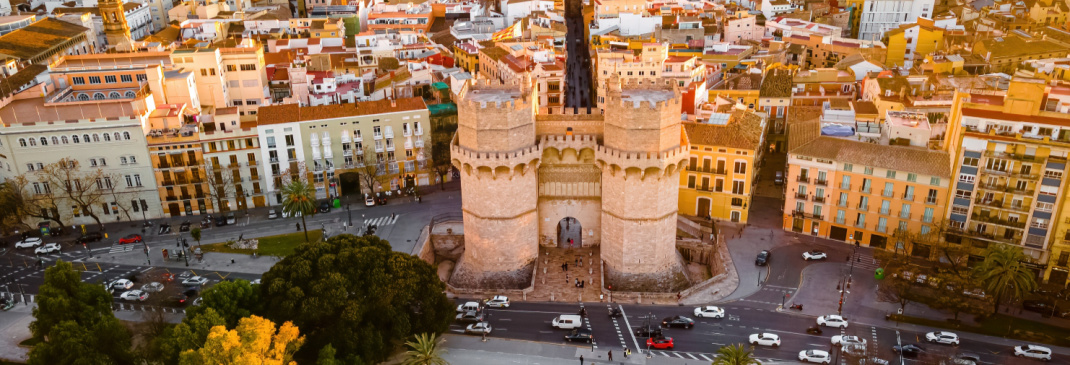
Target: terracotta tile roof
column 743, row 131
column 803, row 124
column 288, row 113
column 38, row 38
column 747, row 81
column 864, row 107
column 901, row 158
column 776, row 84
column 283, row 57
column 14, row 82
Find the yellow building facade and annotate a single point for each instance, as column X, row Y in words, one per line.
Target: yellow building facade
column 720, row 176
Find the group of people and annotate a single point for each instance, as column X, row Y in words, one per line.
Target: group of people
column 580, row 283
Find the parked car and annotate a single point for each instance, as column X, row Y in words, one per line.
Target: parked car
column 220, row 221
column 943, row 337
column 195, row 281
column 710, row 311
column 814, row 255
column 369, row 200
column 29, row 242
column 660, row 343
column 179, row 299
column 134, row 295
column 272, row 214
column 678, row 321
column 469, row 306
column 778, row 178
column 132, row 238
column 908, row 350
column 763, row 258
column 498, row 301
column 580, row 334
column 121, row 284
column 90, row 237
column 764, row 339
column 325, row 207
column 231, row 219
column 818, row 356
column 184, row 227
column 478, row 328
column 47, row 249
column 153, row 287
column 832, row 321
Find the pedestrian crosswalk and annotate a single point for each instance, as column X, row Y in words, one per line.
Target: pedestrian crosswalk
column 381, row 221
column 700, row 356
column 866, row 262
column 120, row 248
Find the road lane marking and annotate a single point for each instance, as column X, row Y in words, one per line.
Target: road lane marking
column 703, row 356
column 692, row 356
column 629, row 325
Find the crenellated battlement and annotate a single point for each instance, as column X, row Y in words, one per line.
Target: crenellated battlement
column 562, row 142
column 642, row 160
column 643, row 94
column 481, row 93
column 466, row 157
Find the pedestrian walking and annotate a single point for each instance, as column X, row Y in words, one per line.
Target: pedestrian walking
column 298, row 227
column 627, row 352
column 566, row 267
column 581, row 359
column 610, row 355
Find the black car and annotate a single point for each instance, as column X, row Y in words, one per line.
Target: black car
column 184, row 227
column 678, row 321
column 180, row 299
column 763, row 258
column 325, row 207
column 648, row 331
column 908, row 350
column 220, row 221
column 90, row 237
column 580, row 334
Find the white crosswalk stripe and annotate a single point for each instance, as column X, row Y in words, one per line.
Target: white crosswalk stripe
column 381, row 221
column 862, row 261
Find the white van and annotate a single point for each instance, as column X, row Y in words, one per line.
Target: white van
column 469, row 307
column 567, row 321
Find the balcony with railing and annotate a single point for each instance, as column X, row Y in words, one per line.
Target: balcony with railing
column 887, row 193
column 818, row 199
column 907, row 197
column 802, row 214
column 904, row 215
column 388, row 134
column 860, row 224
column 927, row 218
column 885, row 211
column 347, row 153
column 705, row 169
column 841, row 202
column 800, row 196
column 845, row 186
column 377, row 136
column 863, row 207
column 803, row 179
column 882, row 229
column 840, row 220
column 345, row 138
column 1016, row 156
column 997, row 220
column 865, row 189
column 930, row 200
column 821, row 182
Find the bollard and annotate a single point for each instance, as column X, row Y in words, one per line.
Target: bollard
column 590, row 271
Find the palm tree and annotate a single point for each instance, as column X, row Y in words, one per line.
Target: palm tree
column 1004, row 273
column 424, row 351
column 735, row 355
column 298, row 198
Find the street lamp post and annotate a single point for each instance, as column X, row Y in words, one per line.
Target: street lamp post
column 350, row 214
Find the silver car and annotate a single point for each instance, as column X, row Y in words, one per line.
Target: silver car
column 478, row 328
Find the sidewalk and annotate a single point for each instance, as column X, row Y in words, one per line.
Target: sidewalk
column 215, row 261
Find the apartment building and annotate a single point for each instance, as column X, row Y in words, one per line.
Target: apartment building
column 879, row 16
column 725, row 150
column 101, row 141
column 884, row 189
column 912, row 41
column 1009, row 173
column 178, row 160
column 233, row 170
column 322, row 143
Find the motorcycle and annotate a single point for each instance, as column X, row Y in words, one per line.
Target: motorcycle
column 815, row 330
column 164, row 228
column 797, row 307
column 6, row 304
column 206, row 222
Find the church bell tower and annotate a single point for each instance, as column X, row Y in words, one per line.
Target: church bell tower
column 116, row 30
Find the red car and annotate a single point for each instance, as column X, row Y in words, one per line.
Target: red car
column 134, row 238
column 662, row 343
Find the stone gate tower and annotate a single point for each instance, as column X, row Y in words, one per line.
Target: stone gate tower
column 495, row 149
column 640, row 160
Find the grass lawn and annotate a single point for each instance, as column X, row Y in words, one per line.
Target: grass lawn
column 281, row 245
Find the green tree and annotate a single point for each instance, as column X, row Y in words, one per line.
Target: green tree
column 188, row 335
column 1004, row 273
column 196, row 234
column 232, row 300
column 326, row 356
column 298, row 198
column 254, row 341
column 443, row 128
column 356, row 294
column 736, row 354
column 74, row 322
column 424, row 351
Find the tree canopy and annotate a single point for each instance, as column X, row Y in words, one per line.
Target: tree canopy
column 254, row 341
column 1004, row 273
column 357, row 295
column 74, row 322
column 232, row 300
column 299, row 198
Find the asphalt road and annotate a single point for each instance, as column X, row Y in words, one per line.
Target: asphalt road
column 577, row 63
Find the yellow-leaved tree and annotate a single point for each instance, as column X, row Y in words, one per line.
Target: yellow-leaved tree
column 253, row 341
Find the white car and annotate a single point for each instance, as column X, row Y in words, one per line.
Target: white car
column 469, row 307
column 943, row 337
column 153, row 287
column 832, row 320
column 843, row 340
column 29, row 242
column 47, row 248
column 195, row 281
column 255, row 282
column 478, row 328
column 122, row 284
column 814, row 255
column 1033, row 351
column 133, row 295
column 765, row 339
column 709, row 311
column 499, row 301
column 369, row 201
column 818, row 356
column 272, row 214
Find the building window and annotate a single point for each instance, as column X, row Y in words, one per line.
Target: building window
column 740, row 167
column 969, row 161
column 890, row 174
column 94, row 79
column 934, row 181
column 848, row 167
column 78, row 80
column 110, row 79
column 126, row 78
column 963, row 194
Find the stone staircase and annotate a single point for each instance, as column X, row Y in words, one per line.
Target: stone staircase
column 557, row 285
